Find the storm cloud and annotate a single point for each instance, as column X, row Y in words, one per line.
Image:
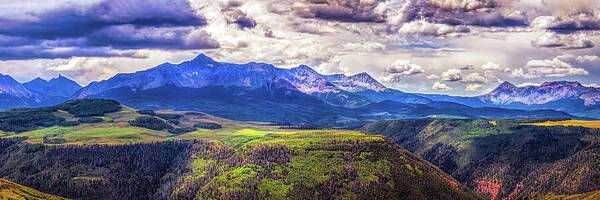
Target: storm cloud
column 99, row 28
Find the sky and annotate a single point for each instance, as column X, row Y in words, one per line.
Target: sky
column 457, row 47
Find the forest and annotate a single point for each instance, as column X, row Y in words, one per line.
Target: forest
column 504, row 158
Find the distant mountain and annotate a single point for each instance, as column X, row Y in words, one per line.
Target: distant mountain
column 203, row 71
column 571, row 97
column 507, row 93
column 259, row 91
column 9, row 86
column 15, row 95
column 59, row 87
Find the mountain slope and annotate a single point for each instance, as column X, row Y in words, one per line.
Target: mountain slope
column 503, row 158
column 58, row 87
column 13, row 191
column 261, row 104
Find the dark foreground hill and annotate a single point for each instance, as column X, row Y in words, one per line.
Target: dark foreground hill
column 504, row 158
column 197, row 156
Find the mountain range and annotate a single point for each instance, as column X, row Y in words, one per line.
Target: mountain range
column 264, row 92
column 571, row 97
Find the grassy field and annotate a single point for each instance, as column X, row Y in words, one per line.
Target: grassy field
column 115, row 129
column 13, row 191
column 581, row 123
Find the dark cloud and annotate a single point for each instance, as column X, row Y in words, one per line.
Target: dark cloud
column 465, row 12
column 449, row 12
column 74, row 20
column 467, row 67
column 91, row 27
column 583, row 21
column 132, row 37
column 234, row 15
column 37, row 52
column 341, row 10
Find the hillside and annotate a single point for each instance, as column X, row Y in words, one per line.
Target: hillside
column 587, row 196
column 13, row 191
column 159, row 155
column 504, row 158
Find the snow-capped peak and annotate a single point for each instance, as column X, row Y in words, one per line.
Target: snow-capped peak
column 507, row 93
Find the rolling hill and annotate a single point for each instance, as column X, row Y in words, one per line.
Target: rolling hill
column 144, row 154
column 13, row 191
column 505, row 158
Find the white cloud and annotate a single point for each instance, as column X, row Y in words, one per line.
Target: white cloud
column 580, row 59
column 404, row 67
column 474, row 78
column 491, row 75
column 574, row 21
column 528, row 84
column 452, row 75
column 548, row 68
column 422, row 27
column 522, row 74
column 587, row 58
column 433, row 76
column 473, row 88
column 461, row 5
column 399, row 68
column 84, row 69
column 490, row 66
column 565, row 41
column 440, row 86
column 364, row 47
column 593, row 85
